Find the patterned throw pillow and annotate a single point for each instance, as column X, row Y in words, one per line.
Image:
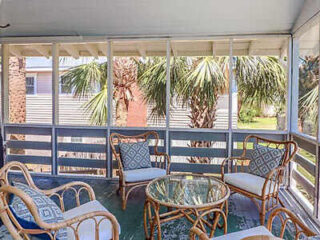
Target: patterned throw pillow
column 135, row 155
column 264, row 159
column 47, row 209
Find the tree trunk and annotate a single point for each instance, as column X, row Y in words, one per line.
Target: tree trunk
column 121, row 113
column 17, row 96
column 202, row 116
column 124, row 76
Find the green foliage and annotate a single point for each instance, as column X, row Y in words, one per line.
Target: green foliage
column 247, row 115
column 90, row 80
column 205, row 79
column 308, row 88
column 261, row 80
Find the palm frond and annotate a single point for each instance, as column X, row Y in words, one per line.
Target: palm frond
column 85, row 79
column 96, row 107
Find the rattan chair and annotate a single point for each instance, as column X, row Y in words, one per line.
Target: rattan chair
column 264, row 189
column 128, row 182
column 89, row 218
column 283, row 214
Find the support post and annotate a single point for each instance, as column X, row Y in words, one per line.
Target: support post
column 168, row 82
column 289, row 103
column 4, row 92
column 317, row 174
column 294, row 86
column 5, row 83
column 231, row 83
column 109, row 107
column 55, row 106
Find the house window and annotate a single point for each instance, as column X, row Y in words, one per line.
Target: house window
column 30, row 84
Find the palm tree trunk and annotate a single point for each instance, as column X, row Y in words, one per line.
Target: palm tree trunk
column 121, row 113
column 17, row 96
column 202, row 116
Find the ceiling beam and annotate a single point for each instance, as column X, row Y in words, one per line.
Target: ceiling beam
column 283, row 49
column 92, row 49
column 214, row 49
column 103, row 48
column 250, row 48
column 72, row 50
column 174, row 49
column 142, row 51
column 42, row 50
column 15, row 50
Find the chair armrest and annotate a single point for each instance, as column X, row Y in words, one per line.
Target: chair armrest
column 76, row 187
column 273, row 181
column 166, row 163
column 232, row 160
column 48, row 228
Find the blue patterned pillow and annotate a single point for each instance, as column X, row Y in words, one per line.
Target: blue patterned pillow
column 264, row 159
column 135, row 155
column 47, row 209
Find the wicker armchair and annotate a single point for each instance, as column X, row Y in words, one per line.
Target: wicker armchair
column 264, row 189
column 283, row 214
column 127, row 181
column 100, row 221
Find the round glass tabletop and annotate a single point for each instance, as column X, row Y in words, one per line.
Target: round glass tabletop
column 187, row 191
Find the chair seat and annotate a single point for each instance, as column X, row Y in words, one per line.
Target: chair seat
column 87, row 228
column 261, row 230
column 143, row 174
column 246, row 181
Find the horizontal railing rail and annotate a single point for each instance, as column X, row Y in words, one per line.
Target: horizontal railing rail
column 94, row 152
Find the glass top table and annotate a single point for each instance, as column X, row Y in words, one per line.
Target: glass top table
column 187, row 191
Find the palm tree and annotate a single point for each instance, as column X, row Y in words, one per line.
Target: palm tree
column 90, row 81
column 308, row 89
column 200, row 81
column 197, row 81
column 260, row 80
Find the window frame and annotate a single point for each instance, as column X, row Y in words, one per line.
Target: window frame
column 35, row 83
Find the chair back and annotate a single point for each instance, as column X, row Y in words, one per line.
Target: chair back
column 285, row 217
column 116, row 138
column 15, row 166
column 7, row 217
column 291, row 147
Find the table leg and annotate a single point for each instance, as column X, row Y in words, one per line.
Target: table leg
column 151, row 218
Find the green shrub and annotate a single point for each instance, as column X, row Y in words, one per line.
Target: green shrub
column 247, row 115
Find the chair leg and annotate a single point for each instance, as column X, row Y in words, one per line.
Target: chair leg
column 123, row 197
column 263, row 212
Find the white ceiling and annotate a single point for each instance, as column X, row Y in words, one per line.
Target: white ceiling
column 147, row 17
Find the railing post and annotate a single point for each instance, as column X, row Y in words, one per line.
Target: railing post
column 55, row 106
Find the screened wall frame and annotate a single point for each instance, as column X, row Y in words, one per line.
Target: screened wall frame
column 229, row 135
column 306, row 142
